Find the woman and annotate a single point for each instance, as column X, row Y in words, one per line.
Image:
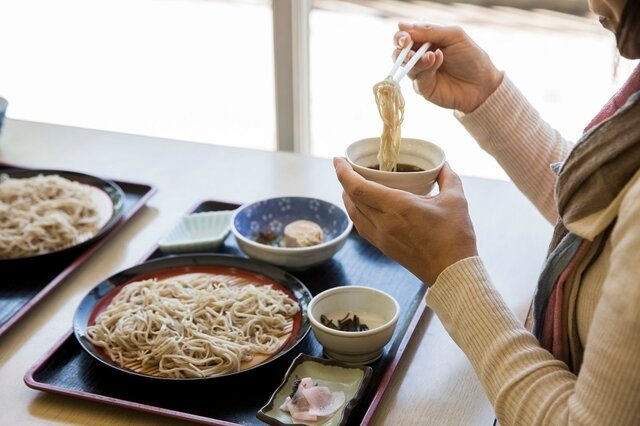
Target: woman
column 581, row 362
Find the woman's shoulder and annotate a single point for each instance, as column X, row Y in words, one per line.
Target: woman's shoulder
column 631, row 199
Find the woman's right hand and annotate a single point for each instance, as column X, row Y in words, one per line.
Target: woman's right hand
column 458, row 74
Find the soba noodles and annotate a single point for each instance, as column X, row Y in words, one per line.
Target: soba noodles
column 42, row 214
column 199, row 325
column 391, row 108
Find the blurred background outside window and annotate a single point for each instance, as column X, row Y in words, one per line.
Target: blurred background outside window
column 203, row 70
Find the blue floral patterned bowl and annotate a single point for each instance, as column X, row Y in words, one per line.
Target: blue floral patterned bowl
column 273, row 214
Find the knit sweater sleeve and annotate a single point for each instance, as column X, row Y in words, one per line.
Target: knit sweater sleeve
column 525, row 384
column 509, row 128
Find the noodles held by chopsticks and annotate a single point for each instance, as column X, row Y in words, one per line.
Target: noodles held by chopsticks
column 391, row 108
column 199, row 326
column 42, row 214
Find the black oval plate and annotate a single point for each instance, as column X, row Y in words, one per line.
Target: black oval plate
column 97, row 299
column 114, row 192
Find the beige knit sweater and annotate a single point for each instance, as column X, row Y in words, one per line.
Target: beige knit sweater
column 525, row 384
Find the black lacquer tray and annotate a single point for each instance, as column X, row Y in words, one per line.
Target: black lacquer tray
column 68, row 370
column 25, row 282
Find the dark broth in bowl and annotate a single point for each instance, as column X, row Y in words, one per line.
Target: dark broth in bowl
column 401, row 167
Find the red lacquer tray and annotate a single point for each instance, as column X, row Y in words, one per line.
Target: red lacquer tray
column 26, row 282
column 235, row 400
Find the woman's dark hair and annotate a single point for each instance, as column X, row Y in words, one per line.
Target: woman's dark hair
column 629, row 27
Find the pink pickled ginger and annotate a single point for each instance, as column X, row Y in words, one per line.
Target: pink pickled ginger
column 311, row 401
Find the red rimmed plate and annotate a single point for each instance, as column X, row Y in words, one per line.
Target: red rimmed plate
column 98, row 298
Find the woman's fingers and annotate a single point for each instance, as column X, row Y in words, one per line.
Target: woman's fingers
column 425, row 79
column 361, row 190
column 358, row 188
column 371, row 213
column 361, row 220
column 438, row 58
column 401, row 39
column 427, row 60
column 426, row 63
column 439, row 35
column 430, row 61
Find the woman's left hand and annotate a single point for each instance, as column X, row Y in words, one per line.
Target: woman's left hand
column 425, row 234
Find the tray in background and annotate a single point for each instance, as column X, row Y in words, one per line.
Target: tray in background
column 25, row 282
column 232, row 400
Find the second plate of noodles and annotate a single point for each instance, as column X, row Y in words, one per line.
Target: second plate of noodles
column 193, row 317
column 44, row 212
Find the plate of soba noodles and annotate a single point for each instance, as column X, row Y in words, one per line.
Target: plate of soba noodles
column 193, row 317
column 49, row 211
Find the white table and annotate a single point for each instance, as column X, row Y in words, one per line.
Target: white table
column 434, row 383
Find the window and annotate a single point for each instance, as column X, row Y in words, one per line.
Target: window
column 183, row 69
column 204, row 70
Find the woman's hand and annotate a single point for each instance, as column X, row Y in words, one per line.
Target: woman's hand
column 425, row 234
column 458, row 74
